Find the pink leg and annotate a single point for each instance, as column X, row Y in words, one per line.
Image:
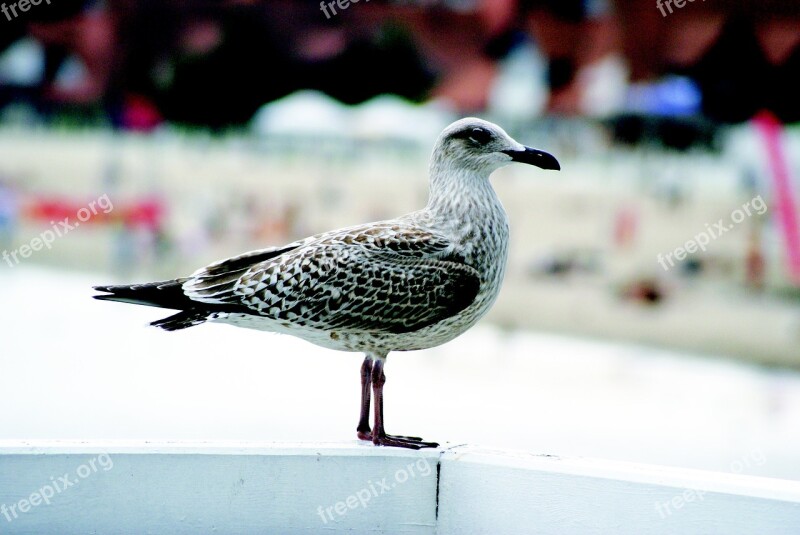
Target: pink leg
column 379, row 436
column 363, row 430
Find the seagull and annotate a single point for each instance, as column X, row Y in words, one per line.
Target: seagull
column 403, row 284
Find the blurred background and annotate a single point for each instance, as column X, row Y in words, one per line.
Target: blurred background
column 651, row 309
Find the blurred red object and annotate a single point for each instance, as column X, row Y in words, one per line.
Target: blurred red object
column 147, row 213
column 785, row 205
column 139, row 114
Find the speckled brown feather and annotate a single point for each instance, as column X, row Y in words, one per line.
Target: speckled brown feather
column 381, row 278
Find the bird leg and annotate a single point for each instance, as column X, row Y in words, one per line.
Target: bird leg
column 378, row 434
column 366, row 386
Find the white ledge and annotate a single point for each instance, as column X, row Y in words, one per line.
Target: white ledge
column 203, row 487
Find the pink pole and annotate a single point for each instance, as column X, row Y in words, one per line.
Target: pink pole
column 785, row 205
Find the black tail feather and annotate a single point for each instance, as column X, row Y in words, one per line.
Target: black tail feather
column 164, row 294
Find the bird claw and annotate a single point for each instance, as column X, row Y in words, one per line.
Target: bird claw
column 397, row 441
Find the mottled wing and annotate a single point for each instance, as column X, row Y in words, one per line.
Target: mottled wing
column 388, row 278
column 215, row 284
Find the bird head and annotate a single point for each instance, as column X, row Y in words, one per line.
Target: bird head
column 481, row 146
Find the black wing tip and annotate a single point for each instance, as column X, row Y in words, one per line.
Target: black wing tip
column 160, row 324
column 112, row 293
column 181, row 320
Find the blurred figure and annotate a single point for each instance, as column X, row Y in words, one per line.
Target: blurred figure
column 460, row 43
column 215, row 62
column 9, row 214
column 84, row 29
column 572, row 34
column 743, row 54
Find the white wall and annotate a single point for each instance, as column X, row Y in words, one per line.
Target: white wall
column 273, row 488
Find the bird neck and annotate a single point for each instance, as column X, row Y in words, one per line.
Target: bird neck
column 457, row 192
column 463, row 206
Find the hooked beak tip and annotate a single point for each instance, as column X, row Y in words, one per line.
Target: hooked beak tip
column 531, row 156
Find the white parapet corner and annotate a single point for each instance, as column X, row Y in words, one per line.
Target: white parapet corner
column 217, row 487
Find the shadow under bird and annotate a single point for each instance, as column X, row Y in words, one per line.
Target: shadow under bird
column 403, row 284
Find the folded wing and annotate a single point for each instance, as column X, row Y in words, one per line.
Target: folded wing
column 388, row 278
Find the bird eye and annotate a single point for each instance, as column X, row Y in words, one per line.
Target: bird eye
column 481, row 136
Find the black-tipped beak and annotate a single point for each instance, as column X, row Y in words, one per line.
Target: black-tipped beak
column 539, row 158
